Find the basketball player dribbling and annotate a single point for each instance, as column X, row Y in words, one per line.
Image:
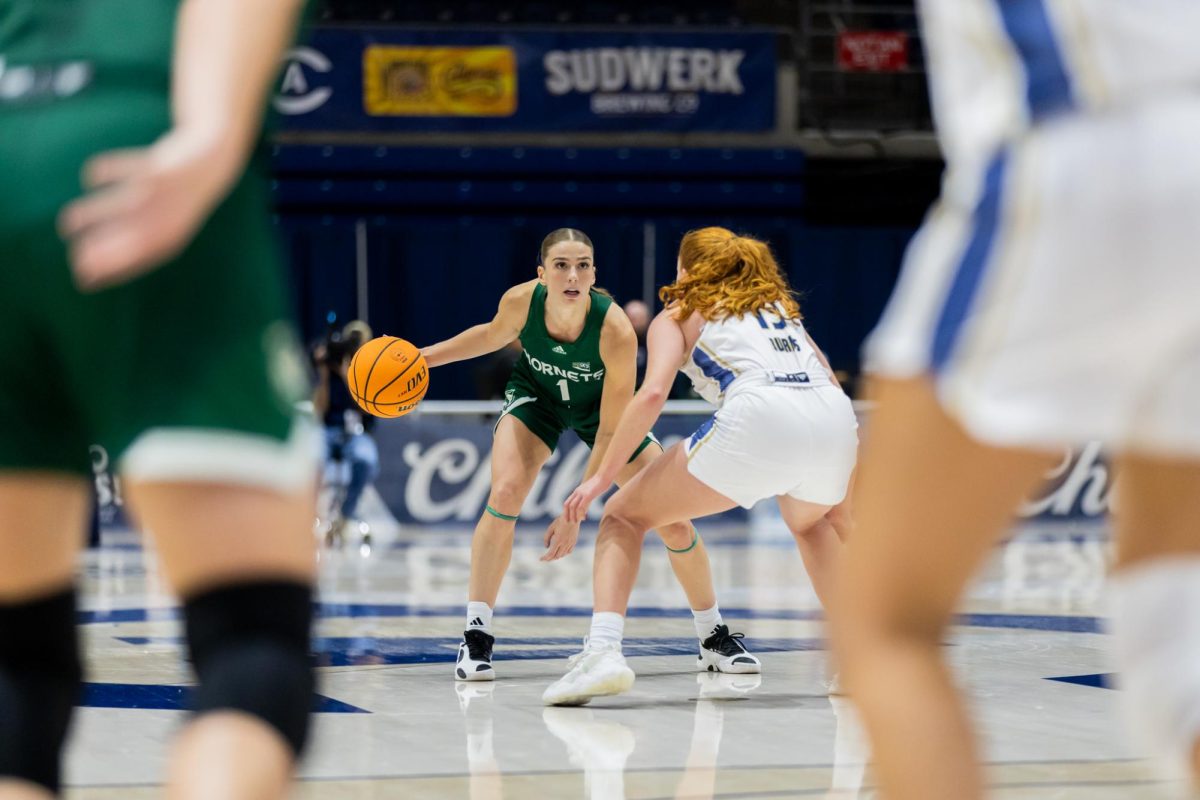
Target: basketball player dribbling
column 784, row 429
column 577, row 371
column 1049, row 300
column 144, row 311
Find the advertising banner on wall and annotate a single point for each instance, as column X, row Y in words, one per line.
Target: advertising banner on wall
column 358, row 79
column 436, row 470
column 439, row 470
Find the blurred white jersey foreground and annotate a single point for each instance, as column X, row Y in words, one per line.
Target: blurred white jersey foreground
column 1049, row 290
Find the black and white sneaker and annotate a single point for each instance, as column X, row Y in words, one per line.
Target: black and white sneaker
column 724, row 652
column 474, row 661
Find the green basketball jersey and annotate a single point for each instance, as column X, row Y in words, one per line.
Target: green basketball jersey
column 203, row 343
column 567, row 373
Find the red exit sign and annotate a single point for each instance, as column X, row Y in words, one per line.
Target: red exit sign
column 873, row 51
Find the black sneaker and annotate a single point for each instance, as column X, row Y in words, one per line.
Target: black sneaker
column 474, row 661
column 724, row 652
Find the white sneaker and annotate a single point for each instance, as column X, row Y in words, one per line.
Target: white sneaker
column 596, row 672
column 724, row 652
column 474, row 662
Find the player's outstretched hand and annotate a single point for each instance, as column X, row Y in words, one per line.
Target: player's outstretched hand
column 576, row 507
column 560, row 539
column 142, row 206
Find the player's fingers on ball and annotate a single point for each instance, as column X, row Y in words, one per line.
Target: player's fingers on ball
column 113, row 166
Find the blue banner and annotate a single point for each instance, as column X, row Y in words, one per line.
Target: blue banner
column 352, row 79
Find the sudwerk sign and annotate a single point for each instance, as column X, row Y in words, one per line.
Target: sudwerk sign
column 400, row 79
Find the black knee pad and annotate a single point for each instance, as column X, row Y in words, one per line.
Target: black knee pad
column 40, row 676
column 249, row 644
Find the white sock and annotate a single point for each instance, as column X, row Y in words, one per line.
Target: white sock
column 607, row 629
column 1156, row 641
column 479, row 617
column 706, row 621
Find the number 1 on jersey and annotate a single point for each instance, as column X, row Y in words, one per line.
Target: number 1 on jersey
column 565, row 389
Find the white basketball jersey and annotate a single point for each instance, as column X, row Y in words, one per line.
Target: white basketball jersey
column 999, row 66
column 763, row 348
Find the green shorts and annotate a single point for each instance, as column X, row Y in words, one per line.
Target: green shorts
column 547, row 418
column 191, row 372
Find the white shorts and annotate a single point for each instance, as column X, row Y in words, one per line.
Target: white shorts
column 1054, row 295
column 769, row 440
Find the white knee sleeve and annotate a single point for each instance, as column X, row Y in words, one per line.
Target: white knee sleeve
column 1156, row 633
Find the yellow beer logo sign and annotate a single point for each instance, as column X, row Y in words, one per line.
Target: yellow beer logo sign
column 439, row 81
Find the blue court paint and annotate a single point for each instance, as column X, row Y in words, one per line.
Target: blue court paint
column 969, row 275
column 360, row 651
column 1033, row 622
column 1047, row 85
column 127, row 615
column 169, row 697
column 1103, row 680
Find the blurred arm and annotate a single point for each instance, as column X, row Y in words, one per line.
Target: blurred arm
column 227, row 54
column 143, row 205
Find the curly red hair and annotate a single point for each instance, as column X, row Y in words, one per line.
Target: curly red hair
column 727, row 276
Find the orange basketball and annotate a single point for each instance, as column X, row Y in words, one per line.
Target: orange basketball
column 388, row 377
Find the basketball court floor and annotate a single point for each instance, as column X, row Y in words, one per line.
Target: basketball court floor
column 1029, row 647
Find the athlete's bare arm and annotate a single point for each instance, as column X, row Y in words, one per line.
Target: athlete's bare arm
column 666, row 345
column 618, row 351
column 145, row 204
column 487, row 337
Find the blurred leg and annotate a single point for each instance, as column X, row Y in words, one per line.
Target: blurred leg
column 215, row 540
column 931, row 503
column 42, row 518
column 1156, row 590
column 363, row 455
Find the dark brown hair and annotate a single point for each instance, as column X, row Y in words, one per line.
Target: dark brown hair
column 563, row 235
